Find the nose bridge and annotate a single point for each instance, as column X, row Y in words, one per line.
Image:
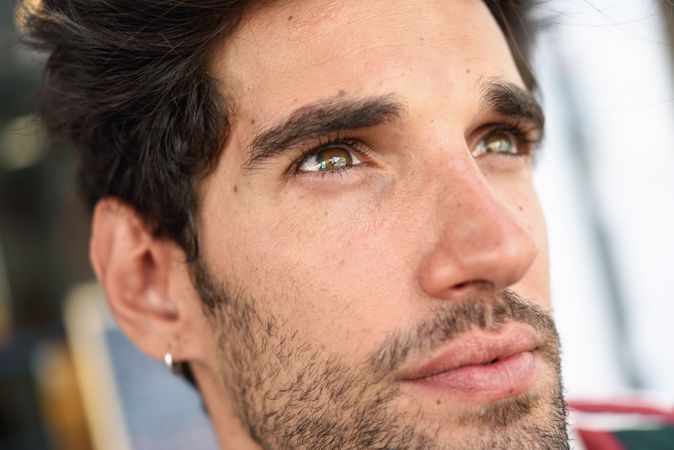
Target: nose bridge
column 480, row 243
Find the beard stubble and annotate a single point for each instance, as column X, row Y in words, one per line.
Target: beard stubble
column 291, row 395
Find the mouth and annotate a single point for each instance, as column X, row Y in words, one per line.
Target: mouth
column 480, row 366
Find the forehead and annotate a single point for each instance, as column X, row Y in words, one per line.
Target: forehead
column 295, row 52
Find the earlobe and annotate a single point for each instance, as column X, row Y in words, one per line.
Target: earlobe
column 134, row 268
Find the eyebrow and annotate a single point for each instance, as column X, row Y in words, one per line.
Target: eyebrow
column 321, row 118
column 512, row 101
column 316, row 120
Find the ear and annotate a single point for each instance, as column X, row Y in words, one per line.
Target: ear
column 147, row 284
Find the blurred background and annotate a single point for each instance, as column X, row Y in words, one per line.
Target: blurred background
column 606, row 179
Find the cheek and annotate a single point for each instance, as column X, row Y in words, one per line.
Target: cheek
column 326, row 269
column 536, row 283
column 539, row 277
column 515, row 190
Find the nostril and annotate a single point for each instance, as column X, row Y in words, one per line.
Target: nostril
column 472, row 287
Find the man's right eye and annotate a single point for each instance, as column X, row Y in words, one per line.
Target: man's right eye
column 333, row 157
column 328, row 160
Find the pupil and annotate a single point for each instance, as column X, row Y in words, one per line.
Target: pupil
column 333, row 159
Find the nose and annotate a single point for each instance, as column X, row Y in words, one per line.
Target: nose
column 479, row 244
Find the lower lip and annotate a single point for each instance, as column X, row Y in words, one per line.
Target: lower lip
column 504, row 378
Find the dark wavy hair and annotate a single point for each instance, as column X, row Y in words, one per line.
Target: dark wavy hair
column 126, row 84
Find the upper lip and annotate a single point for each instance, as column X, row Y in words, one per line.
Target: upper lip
column 473, row 348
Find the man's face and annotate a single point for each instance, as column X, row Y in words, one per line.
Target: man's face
column 371, row 243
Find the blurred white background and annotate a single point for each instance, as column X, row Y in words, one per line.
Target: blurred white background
column 606, row 180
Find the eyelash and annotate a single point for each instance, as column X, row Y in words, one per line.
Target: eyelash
column 521, row 134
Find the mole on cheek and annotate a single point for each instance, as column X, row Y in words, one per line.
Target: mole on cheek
column 235, row 189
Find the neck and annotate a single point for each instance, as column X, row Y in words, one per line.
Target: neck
column 230, row 432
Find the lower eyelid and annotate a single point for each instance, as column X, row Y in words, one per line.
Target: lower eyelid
column 342, row 178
